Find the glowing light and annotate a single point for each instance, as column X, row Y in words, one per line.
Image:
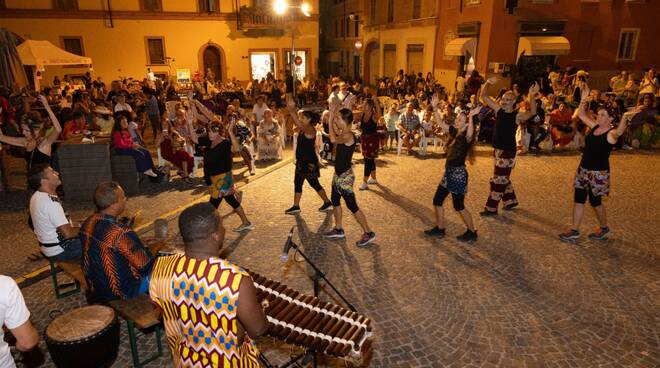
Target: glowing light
column 305, row 8
column 280, row 6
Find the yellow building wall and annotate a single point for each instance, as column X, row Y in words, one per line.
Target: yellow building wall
column 180, row 6
column 29, row 4
column 402, row 37
column 90, row 5
column 122, row 51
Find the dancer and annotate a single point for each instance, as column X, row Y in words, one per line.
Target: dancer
column 343, row 179
column 369, row 140
column 504, row 143
column 455, row 178
column 217, row 168
column 308, row 161
column 593, row 175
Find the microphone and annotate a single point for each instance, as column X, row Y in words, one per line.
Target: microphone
column 287, row 245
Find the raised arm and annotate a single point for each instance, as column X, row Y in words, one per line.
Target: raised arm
column 470, row 128
column 14, row 141
column 291, row 107
column 484, row 94
column 582, row 111
column 56, row 123
column 235, row 145
column 377, row 107
column 614, row 134
column 526, row 115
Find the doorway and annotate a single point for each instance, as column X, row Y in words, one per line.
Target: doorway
column 213, row 62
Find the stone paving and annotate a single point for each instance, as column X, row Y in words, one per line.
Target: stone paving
column 516, row 298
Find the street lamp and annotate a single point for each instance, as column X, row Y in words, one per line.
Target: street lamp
column 280, row 7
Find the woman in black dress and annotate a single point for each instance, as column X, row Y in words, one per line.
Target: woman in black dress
column 592, row 179
column 344, row 178
column 218, row 165
column 308, row 162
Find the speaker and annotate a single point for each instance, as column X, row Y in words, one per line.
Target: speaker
column 511, row 5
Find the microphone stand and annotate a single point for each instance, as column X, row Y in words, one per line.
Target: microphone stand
column 316, row 279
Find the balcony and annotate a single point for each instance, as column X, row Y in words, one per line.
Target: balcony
column 259, row 18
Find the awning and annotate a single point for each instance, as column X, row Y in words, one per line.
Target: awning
column 535, row 46
column 458, row 46
column 44, row 53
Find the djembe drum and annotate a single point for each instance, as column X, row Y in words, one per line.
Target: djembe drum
column 84, row 337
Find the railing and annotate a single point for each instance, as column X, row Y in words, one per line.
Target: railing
column 255, row 18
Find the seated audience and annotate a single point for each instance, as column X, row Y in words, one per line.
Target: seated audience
column 269, row 138
column 114, row 260
column 172, row 149
column 57, row 238
column 124, row 145
column 561, row 124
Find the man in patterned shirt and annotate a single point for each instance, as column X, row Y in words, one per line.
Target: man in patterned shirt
column 115, row 262
column 409, row 127
column 210, row 307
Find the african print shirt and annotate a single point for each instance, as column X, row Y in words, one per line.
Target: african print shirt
column 114, row 259
column 199, row 299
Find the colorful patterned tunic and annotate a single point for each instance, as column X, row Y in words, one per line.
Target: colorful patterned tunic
column 199, row 299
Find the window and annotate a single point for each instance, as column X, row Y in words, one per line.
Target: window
column 390, row 11
column 151, row 5
column 372, row 12
column 357, row 26
column 155, row 50
column 336, row 28
column 348, row 27
column 66, row 4
column 627, row 44
column 342, row 29
column 472, row 2
column 73, row 45
column 416, row 9
column 208, row 6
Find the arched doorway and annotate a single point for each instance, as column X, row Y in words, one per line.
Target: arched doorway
column 371, row 63
column 212, row 60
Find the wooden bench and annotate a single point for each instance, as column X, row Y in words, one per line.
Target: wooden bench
column 137, row 312
column 71, row 268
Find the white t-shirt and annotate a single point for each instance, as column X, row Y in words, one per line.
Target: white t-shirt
column 123, row 107
column 13, row 313
column 47, row 215
column 259, row 111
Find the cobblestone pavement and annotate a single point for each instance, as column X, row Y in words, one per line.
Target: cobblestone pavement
column 516, row 298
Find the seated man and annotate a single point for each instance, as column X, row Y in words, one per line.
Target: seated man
column 201, row 285
column 408, row 126
column 57, row 238
column 16, row 317
column 115, row 262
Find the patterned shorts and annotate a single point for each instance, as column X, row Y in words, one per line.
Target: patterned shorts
column 455, row 179
column 598, row 181
column 222, row 185
column 344, row 182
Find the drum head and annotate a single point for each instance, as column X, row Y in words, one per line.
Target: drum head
column 80, row 323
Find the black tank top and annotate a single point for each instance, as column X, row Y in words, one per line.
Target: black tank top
column 344, row 158
column 35, row 157
column 457, row 148
column 369, row 127
column 596, row 155
column 305, row 148
column 504, row 134
column 218, row 159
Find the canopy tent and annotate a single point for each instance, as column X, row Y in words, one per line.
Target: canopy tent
column 43, row 53
column 459, row 46
column 11, row 69
column 547, row 45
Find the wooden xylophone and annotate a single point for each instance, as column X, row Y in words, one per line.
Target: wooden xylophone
column 307, row 321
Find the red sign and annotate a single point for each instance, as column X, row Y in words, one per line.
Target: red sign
column 358, row 45
column 297, row 60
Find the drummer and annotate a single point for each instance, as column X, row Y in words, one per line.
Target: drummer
column 16, row 317
column 200, row 286
column 115, row 262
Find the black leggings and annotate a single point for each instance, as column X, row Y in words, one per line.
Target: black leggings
column 230, row 199
column 369, row 166
column 298, row 181
column 581, row 197
column 458, row 200
column 349, row 198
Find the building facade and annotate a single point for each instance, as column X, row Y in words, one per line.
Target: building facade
column 232, row 38
column 342, row 27
column 516, row 39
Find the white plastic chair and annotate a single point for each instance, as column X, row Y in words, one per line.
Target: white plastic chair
column 424, row 142
column 161, row 160
column 399, row 142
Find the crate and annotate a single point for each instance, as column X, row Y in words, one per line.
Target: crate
column 82, row 167
column 124, row 172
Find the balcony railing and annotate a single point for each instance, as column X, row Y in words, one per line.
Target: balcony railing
column 258, row 18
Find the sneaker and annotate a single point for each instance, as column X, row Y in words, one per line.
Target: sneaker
column 599, row 233
column 326, row 207
column 366, row 239
column 435, row 232
column 364, row 186
column 253, row 172
column 468, row 236
column 511, row 206
column 292, row 210
column 627, row 147
column 570, row 235
column 335, row 234
column 244, row 227
column 372, row 181
column 486, row 213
